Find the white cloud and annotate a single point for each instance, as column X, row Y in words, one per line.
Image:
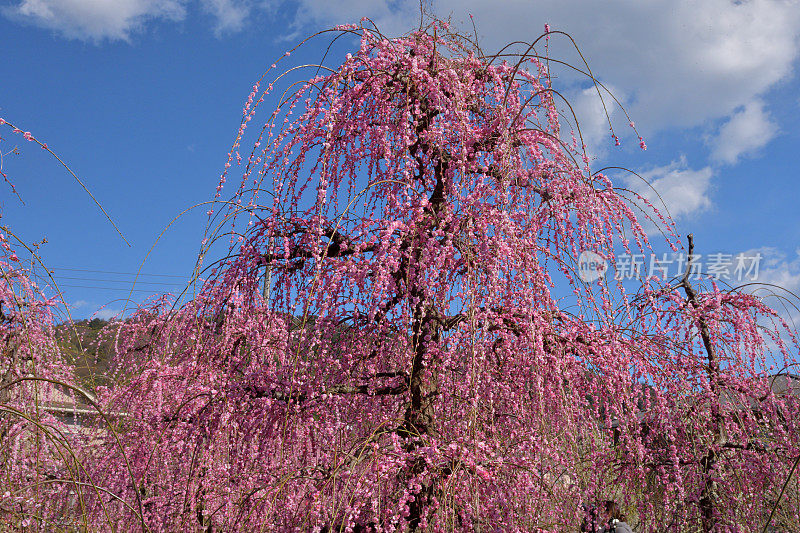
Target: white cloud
column 684, row 191
column 96, row 20
column 79, row 304
column 107, row 313
column 748, row 130
column 594, row 119
column 683, row 62
column 777, row 281
column 776, row 268
column 230, row 14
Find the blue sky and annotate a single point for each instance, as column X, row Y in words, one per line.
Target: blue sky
column 142, row 98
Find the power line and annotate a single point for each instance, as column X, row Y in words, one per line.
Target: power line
column 114, row 272
column 118, row 289
column 175, row 284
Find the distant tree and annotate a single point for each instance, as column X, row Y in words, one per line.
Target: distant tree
column 398, row 339
column 97, row 323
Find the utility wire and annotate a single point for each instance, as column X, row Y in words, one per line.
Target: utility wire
column 123, row 289
column 56, row 269
column 174, row 284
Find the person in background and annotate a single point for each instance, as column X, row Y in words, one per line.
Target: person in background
column 614, row 519
column 591, row 522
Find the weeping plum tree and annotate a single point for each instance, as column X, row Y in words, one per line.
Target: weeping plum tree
column 398, row 341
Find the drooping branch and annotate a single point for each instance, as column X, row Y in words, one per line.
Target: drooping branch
column 709, row 459
column 301, row 397
column 338, row 245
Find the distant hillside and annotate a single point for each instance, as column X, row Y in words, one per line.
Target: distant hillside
column 89, row 345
